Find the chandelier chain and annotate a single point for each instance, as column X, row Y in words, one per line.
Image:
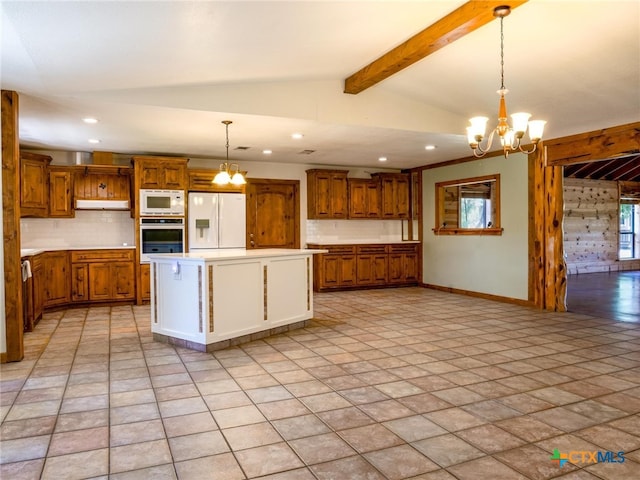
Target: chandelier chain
column 501, row 53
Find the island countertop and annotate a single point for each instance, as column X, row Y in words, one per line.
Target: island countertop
column 234, row 254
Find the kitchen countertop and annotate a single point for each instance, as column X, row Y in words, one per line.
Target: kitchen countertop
column 361, row 242
column 233, row 254
column 29, row 252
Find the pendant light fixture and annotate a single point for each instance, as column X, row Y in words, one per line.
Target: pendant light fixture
column 510, row 136
column 229, row 172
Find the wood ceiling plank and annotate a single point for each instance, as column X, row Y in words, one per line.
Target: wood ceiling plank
column 448, row 29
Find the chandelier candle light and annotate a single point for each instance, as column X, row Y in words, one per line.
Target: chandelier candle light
column 224, row 176
column 510, row 137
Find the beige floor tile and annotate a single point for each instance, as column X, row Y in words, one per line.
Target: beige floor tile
column 78, row 441
column 225, row 466
column 269, row 459
column 139, row 455
column 250, row 436
column 80, row 465
column 321, row 448
column 137, row 432
column 356, row 468
column 27, row 470
column 189, row 424
column 447, row 450
column 196, row 445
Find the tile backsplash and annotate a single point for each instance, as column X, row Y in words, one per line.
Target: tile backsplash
column 89, row 228
column 346, row 231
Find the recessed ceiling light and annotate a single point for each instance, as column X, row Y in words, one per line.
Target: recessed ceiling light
column 296, row 136
column 430, row 147
column 90, row 120
column 94, row 140
column 267, row 152
column 382, row 159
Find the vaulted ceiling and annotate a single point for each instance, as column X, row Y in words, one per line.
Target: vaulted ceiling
column 626, row 169
column 160, row 76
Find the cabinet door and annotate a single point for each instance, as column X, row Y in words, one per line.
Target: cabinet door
column 38, row 287
column 56, row 278
column 102, row 184
column 151, row 175
column 396, row 268
column 34, row 186
column 411, row 267
column 364, row 270
column 60, row 187
column 145, row 282
column 123, row 281
column 402, row 196
column 364, row 198
column 79, row 282
column 338, row 196
column 330, row 271
column 395, row 195
column 348, row 270
column 174, row 176
column 100, row 281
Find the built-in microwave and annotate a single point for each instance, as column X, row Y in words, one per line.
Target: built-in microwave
column 161, row 202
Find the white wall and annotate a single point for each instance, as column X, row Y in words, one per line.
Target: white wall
column 495, row 265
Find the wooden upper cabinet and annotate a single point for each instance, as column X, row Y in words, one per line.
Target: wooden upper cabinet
column 60, row 189
column 162, row 173
column 201, row 180
column 394, row 194
column 102, row 182
column 364, row 198
column 34, row 184
column 327, row 194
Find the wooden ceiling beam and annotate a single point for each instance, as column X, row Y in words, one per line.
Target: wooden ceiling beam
column 448, row 29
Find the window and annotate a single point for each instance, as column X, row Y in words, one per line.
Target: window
column 469, row 206
column 629, row 235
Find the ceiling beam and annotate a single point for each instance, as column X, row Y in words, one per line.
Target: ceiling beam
column 455, row 25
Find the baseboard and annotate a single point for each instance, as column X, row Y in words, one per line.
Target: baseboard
column 486, row 296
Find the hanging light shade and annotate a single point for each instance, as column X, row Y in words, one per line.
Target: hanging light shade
column 510, row 135
column 229, row 172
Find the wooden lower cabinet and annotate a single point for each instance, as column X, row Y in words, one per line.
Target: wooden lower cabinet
column 403, row 264
column 37, row 276
column 102, row 275
column 364, row 266
column 55, row 269
column 145, row 282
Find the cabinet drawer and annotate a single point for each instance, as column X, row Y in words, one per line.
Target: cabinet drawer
column 371, row 249
column 400, row 248
column 101, row 255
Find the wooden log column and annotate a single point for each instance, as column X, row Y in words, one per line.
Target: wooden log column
column 11, row 227
column 547, row 268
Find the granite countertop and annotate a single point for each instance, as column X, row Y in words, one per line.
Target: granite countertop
column 28, row 252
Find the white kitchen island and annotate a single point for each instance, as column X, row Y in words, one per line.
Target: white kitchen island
column 214, row 299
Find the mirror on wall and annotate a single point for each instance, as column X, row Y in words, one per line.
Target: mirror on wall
column 468, row 206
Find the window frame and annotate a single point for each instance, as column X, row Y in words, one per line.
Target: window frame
column 440, row 227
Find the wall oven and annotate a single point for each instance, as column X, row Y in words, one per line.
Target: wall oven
column 161, row 235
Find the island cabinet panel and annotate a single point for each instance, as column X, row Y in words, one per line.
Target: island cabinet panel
column 327, row 194
column 164, row 173
column 394, row 194
column 365, row 266
column 102, row 275
column 364, row 198
column 34, row 184
column 212, row 300
column 60, row 190
column 55, row 267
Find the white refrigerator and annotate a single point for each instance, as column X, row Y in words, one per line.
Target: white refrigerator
column 216, row 220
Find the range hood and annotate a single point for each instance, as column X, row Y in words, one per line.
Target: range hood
column 102, row 205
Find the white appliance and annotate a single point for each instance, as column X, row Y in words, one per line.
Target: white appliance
column 161, row 235
column 161, row 203
column 217, row 220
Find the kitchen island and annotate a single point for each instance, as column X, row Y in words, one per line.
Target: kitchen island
column 214, row 299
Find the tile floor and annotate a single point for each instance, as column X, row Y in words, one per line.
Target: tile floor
column 385, row 384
